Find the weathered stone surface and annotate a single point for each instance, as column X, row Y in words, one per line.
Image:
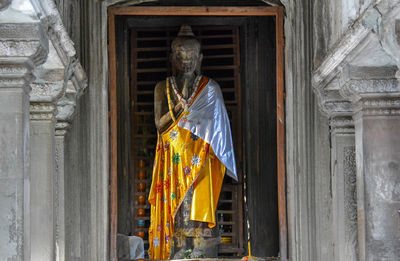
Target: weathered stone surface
column 59, row 192
column 338, row 43
column 378, row 184
column 362, row 69
column 20, row 51
column 344, row 197
column 42, row 135
column 4, row 4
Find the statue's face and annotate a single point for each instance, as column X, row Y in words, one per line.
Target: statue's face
column 185, row 58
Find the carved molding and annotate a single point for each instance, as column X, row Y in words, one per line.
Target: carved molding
column 355, row 89
column 343, row 124
column 61, row 80
column 62, row 42
column 337, row 107
column 42, row 111
column 34, row 51
column 348, row 69
column 377, row 106
column 16, row 81
column 20, row 52
column 67, row 103
column 46, row 92
column 62, row 128
column 359, row 89
column 330, row 101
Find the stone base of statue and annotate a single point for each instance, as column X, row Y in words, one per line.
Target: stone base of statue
column 193, row 239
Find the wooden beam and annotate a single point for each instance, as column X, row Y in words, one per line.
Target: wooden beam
column 280, row 111
column 196, row 10
column 113, row 138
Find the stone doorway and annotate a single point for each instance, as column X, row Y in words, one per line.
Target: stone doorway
column 251, row 52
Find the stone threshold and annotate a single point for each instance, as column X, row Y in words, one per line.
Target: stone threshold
column 220, row 259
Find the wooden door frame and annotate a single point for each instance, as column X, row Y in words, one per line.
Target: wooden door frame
column 277, row 12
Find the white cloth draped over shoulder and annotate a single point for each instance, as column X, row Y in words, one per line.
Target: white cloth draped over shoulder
column 208, row 119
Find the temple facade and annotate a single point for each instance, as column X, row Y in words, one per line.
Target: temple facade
column 341, row 122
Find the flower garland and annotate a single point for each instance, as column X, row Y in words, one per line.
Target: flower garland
column 179, row 95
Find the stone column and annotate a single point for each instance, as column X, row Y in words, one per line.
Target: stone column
column 65, row 108
column 344, row 197
column 377, row 125
column 14, row 159
column 59, row 195
column 42, row 126
column 22, row 48
column 375, row 95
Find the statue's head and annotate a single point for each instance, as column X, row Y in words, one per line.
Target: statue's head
column 186, row 56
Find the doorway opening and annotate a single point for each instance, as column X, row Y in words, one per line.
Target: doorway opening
column 240, row 53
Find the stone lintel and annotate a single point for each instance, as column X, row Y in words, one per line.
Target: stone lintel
column 362, row 82
column 360, row 88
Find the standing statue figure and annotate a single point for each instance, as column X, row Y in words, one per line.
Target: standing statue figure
column 194, row 150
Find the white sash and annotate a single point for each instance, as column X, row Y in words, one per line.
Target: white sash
column 209, row 120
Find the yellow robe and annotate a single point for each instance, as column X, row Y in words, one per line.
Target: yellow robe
column 182, row 160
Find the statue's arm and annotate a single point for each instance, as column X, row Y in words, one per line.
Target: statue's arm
column 161, row 110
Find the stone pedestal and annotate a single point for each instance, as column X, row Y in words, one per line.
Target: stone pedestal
column 42, row 126
column 344, row 197
column 377, row 124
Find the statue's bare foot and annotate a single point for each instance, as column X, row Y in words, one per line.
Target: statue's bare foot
column 181, row 253
column 206, row 247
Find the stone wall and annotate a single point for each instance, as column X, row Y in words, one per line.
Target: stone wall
column 41, row 79
column 356, row 82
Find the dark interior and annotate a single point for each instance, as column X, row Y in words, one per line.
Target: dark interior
column 248, row 82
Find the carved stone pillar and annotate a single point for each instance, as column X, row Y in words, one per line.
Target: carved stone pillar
column 375, row 95
column 22, row 48
column 343, row 171
column 42, row 126
column 59, row 195
column 344, row 197
column 57, row 86
column 65, row 108
column 377, row 124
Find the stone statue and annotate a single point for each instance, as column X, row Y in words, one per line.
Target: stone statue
column 186, row 61
column 194, row 150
